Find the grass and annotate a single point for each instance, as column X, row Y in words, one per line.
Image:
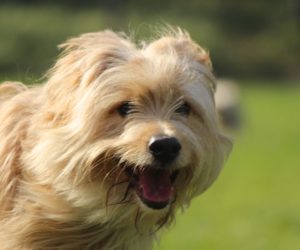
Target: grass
column 255, row 203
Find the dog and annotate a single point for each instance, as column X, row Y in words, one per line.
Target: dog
column 118, row 138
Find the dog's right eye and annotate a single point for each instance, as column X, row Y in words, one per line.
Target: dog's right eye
column 184, row 109
column 125, row 108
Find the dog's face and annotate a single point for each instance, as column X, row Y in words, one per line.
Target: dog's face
column 130, row 127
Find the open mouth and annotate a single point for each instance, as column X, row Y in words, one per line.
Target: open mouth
column 154, row 186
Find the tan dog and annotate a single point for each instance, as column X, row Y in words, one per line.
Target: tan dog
column 104, row 153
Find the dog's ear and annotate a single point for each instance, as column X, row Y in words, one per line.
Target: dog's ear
column 179, row 45
column 84, row 58
column 181, row 42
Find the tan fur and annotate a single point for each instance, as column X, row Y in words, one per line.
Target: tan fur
column 64, row 146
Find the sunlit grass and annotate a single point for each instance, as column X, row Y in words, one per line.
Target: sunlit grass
column 255, row 203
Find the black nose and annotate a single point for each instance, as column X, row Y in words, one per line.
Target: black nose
column 164, row 149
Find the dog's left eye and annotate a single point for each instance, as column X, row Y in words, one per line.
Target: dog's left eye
column 125, row 108
column 184, row 109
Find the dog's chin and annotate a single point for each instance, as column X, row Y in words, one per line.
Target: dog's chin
column 153, row 186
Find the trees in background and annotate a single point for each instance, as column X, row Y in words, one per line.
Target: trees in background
column 257, row 38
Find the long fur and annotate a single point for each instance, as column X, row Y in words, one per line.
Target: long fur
column 64, row 147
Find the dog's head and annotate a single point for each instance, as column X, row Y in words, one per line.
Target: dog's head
column 130, row 126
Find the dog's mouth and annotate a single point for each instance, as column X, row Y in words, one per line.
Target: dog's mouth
column 153, row 186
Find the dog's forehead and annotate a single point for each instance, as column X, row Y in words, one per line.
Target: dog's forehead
column 162, row 79
column 156, row 73
column 167, row 81
column 167, row 77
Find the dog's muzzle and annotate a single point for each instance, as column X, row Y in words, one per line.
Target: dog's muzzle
column 153, row 183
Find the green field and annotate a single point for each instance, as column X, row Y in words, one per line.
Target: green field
column 255, row 204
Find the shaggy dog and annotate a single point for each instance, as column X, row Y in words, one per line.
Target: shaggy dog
column 104, row 153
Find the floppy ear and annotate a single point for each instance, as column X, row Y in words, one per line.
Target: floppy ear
column 90, row 54
column 181, row 42
column 82, row 61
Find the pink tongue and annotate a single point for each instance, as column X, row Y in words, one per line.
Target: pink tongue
column 155, row 185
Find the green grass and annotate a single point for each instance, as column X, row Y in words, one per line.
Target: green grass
column 255, row 203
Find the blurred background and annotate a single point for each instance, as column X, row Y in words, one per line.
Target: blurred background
column 255, row 202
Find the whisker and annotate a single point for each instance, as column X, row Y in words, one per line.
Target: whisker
column 120, row 203
column 174, row 200
column 109, row 191
column 136, row 220
column 113, row 170
column 95, row 164
column 127, row 191
column 164, row 221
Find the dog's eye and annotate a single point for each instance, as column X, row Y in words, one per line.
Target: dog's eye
column 125, row 108
column 184, row 109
